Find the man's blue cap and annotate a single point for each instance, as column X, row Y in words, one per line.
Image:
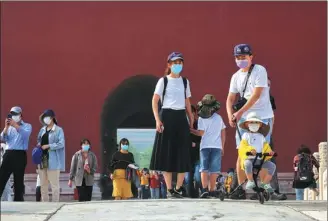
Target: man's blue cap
column 242, row 49
column 174, row 56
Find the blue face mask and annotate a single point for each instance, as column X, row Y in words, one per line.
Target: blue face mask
column 176, row 68
column 230, row 174
column 85, row 147
column 125, row 147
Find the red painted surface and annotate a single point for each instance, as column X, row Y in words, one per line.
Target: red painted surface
column 69, row 55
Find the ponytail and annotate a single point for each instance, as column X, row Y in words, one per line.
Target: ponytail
column 167, row 71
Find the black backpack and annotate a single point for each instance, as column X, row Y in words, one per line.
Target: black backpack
column 304, row 168
column 165, row 85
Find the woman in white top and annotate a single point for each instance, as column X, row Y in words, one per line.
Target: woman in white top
column 172, row 141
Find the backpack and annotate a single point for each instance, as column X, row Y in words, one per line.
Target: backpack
column 303, row 168
column 165, row 85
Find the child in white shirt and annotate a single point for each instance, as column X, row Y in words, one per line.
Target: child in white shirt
column 212, row 130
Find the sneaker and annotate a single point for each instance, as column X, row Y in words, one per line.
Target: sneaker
column 177, row 193
column 238, row 194
column 213, row 194
column 205, row 194
column 169, row 193
column 278, row 196
column 254, row 196
column 250, row 185
column 268, row 188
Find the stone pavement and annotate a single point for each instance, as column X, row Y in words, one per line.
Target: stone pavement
column 165, row 210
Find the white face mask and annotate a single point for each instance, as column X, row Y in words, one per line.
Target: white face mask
column 16, row 118
column 47, row 120
column 254, row 127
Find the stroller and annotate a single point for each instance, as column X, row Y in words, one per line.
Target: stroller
column 262, row 193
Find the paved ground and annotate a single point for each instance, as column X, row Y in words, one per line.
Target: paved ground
column 165, row 210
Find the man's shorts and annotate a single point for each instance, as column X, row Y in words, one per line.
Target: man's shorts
column 210, row 160
column 242, row 131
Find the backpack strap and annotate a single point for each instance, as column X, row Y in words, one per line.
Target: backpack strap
column 185, row 82
column 164, row 89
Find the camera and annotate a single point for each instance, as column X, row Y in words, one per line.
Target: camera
column 240, row 103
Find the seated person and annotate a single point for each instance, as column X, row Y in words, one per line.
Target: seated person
column 254, row 141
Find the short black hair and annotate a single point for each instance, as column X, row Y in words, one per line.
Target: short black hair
column 123, row 140
column 85, row 140
column 304, row 149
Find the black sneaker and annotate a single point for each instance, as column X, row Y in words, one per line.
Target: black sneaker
column 177, row 193
column 169, row 193
column 278, row 196
column 205, row 194
column 254, row 196
column 213, row 194
column 239, row 194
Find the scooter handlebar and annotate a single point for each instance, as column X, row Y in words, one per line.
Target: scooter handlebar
column 260, row 154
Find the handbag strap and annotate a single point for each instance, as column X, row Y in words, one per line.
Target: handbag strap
column 248, row 74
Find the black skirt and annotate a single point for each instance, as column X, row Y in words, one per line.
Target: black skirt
column 171, row 152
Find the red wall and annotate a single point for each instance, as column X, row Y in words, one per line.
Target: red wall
column 69, row 55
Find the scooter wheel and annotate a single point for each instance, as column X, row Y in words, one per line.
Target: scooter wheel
column 266, row 195
column 221, row 196
column 261, row 197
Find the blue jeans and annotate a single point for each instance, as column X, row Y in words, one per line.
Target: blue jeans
column 196, row 174
column 299, row 194
column 242, row 131
column 210, row 160
column 154, row 192
column 163, row 191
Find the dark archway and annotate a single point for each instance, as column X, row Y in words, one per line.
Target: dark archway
column 128, row 106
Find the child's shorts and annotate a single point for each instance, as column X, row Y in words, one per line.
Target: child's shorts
column 210, row 160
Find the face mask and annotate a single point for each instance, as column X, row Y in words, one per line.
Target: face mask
column 85, row 148
column 176, row 68
column 230, row 174
column 16, row 118
column 242, row 63
column 125, row 147
column 254, row 127
column 47, row 120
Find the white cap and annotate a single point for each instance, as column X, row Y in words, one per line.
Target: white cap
column 16, row 109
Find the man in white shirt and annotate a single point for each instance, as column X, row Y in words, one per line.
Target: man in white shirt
column 251, row 83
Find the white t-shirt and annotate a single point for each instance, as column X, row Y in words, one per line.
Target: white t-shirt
column 174, row 94
column 258, row 78
column 212, row 128
column 255, row 140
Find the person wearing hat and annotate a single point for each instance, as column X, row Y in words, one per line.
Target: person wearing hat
column 171, row 152
column 212, row 130
column 16, row 135
column 254, row 141
column 251, row 83
column 52, row 141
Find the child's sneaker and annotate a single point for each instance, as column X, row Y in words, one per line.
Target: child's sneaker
column 205, row 193
column 268, row 188
column 250, row 185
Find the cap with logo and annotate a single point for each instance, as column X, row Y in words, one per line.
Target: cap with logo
column 15, row 110
column 242, row 49
column 175, row 56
